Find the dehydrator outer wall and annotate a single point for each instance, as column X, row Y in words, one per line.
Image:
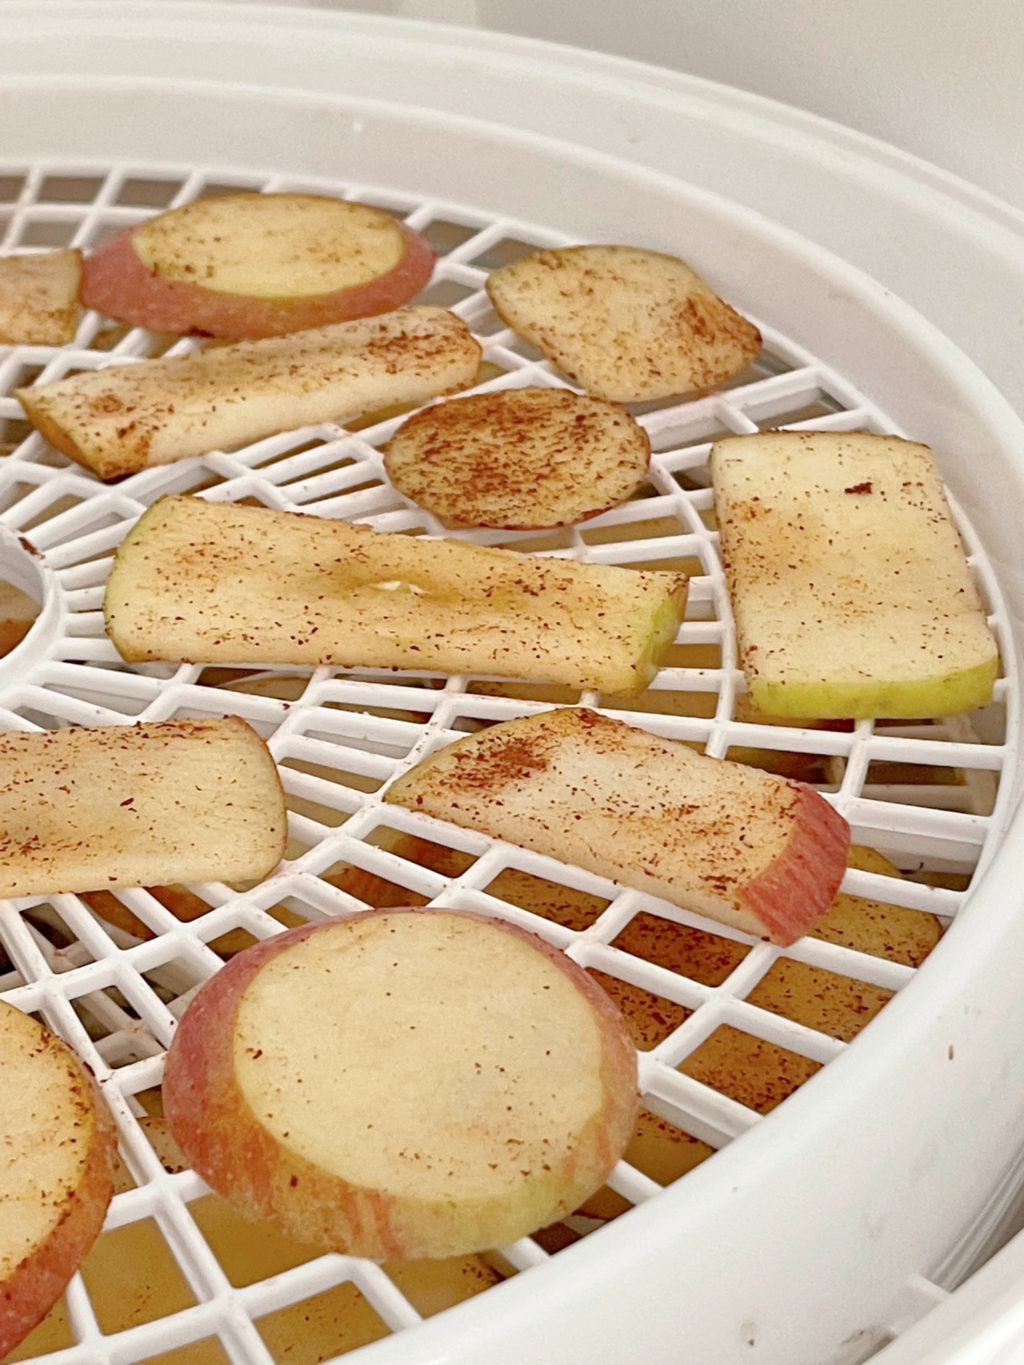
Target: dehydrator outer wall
column 796, row 1241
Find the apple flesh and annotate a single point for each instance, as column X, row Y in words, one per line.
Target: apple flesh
column 56, row 1176
column 222, row 583
column 741, row 846
column 402, row 1084
column 519, row 459
column 850, row 589
column 257, row 265
column 90, row 808
column 127, row 417
column 39, row 297
column 627, row 324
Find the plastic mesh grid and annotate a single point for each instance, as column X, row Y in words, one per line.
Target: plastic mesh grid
column 722, row 1041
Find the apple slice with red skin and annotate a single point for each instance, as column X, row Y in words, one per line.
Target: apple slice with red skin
column 403, row 1083
column 758, row 852
column 56, row 1176
column 245, row 266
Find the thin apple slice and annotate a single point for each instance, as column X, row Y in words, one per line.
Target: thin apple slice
column 85, row 809
column 874, row 925
column 18, row 611
column 850, row 588
column 627, row 324
column 127, row 417
column 242, row 266
column 39, row 298
column 56, row 1175
column 518, row 459
column 741, row 846
column 221, row 583
column 403, row 1083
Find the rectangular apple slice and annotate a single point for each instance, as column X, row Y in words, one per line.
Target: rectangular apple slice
column 39, row 297
column 84, row 809
column 850, row 587
column 124, row 418
column 741, row 846
column 220, row 583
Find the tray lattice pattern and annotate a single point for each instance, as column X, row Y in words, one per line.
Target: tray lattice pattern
column 727, row 1026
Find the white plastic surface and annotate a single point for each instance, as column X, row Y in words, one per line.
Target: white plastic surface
column 792, row 1244
column 982, row 1323
column 956, row 253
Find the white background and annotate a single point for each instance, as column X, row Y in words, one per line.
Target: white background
column 943, row 79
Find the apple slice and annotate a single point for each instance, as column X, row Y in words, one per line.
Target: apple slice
column 403, row 1083
column 627, row 324
column 257, row 265
column 518, row 458
column 39, row 298
column 850, row 588
column 754, row 851
column 83, row 809
column 18, row 612
column 56, row 1176
column 127, row 417
column 222, row 583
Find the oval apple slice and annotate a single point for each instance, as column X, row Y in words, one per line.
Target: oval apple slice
column 626, row 323
column 56, row 1175
column 243, row 266
column 519, row 459
column 403, row 1083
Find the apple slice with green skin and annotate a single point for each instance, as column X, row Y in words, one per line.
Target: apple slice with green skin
column 221, row 583
column 850, row 588
column 741, row 846
column 627, row 324
column 257, row 265
column 90, row 808
column 127, row 417
column 56, row 1175
column 403, row 1083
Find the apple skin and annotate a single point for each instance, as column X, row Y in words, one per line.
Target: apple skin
column 790, row 896
column 950, row 694
column 32, row 1286
column 212, row 1122
column 116, row 283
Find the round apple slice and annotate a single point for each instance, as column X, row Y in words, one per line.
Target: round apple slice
column 519, row 459
column 403, row 1083
column 244, row 266
column 56, row 1175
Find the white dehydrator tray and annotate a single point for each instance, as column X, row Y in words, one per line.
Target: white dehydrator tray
column 814, row 1233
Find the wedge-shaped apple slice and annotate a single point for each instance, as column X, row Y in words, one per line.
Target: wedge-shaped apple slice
column 257, row 265
column 39, row 298
column 128, row 417
column 216, row 582
column 741, row 846
column 625, row 323
column 519, row 458
column 850, row 588
column 56, row 1172
column 402, row 1084
column 84, row 809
